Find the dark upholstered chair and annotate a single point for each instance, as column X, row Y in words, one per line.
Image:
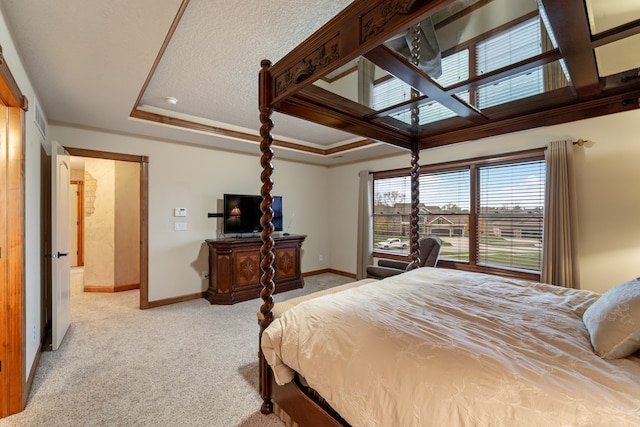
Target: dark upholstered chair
column 429, row 253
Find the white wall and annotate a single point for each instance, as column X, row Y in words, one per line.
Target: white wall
column 608, row 193
column 609, row 200
column 196, row 178
column 33, row 253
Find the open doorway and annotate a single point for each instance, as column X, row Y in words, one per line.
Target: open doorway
column 104, row 226
column 139, row 219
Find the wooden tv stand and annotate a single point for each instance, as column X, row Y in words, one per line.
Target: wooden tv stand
column 234, row 268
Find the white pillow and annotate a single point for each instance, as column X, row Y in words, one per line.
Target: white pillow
column 613, row 321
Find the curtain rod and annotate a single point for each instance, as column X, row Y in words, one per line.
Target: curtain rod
column 580, row 143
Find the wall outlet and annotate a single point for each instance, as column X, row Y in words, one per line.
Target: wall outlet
column 205, row 274
column 34, row 332
column 180, row 226
column 321, row 257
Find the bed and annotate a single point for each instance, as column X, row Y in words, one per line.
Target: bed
column 450, row 348
column 396, row 41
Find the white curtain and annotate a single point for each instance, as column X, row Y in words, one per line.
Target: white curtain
column 365, row 224
column 559, row 263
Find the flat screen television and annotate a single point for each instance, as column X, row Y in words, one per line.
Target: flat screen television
column 242, row 214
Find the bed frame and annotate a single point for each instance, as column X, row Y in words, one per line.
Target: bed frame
column 360, row 30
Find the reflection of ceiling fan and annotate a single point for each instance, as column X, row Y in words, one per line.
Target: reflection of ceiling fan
column 430, row 58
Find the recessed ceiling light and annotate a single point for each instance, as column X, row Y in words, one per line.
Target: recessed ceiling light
column 171, row 100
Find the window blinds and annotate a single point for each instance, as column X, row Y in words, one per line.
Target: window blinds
column 510, row 215
column 446, row 196
column 508, row 47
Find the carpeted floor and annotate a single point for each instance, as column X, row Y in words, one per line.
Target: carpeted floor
column 186, row 364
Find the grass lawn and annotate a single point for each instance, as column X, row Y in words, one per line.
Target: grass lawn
column 526, row 260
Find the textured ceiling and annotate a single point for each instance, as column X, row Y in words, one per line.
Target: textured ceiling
column 88, row 60
column 90, row 63
column 93, row 62
column 220, row 58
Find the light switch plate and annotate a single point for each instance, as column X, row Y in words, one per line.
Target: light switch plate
column 180, row 226
column 180, row 212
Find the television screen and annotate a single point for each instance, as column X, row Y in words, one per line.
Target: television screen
column 242, row 213
column 277, row 213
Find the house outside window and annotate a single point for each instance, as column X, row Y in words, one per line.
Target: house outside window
column 488, row 212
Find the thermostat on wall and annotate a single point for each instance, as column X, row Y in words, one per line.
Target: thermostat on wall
column 180, row 212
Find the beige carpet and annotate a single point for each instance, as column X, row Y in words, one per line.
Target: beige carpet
column 186, row 364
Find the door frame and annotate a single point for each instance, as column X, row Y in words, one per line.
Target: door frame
column 13, row 382
column 80, row 218
column 144, row 209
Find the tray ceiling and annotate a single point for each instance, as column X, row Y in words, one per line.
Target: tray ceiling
column 111, row 65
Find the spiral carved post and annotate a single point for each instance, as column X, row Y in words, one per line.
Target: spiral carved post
column 415, row 200
column 415, row 60
column 267, row 254
column 415, row 155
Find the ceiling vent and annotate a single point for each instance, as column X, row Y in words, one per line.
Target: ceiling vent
column 40, row 121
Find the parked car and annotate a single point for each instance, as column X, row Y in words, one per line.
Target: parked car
column 393, row 243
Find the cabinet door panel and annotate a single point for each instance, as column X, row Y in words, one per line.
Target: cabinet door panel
column 247, row 268
column 223, row 272
column 285, row 263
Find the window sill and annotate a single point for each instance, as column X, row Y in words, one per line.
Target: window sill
column 516, row 274
column 457, row 265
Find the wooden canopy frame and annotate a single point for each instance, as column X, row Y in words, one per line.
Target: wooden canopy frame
column 361, row 30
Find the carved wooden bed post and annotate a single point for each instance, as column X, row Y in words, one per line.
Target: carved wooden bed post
column 415, row 199
column 415, row 155
column 267, row 254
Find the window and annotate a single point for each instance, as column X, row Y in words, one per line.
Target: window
column 496, row 226
column 391, row 208
column 508, row 47
column 446, row 197
column 455, row 68
column 510, row 213
column 390, row 92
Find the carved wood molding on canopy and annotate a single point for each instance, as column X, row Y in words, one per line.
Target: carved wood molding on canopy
column 340, row 40
column 375, row 21
column 323, row 56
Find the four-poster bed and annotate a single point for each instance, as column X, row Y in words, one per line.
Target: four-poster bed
column 569, row 64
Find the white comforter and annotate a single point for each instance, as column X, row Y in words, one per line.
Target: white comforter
column 438, row 347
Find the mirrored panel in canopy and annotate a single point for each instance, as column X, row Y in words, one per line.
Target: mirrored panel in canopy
column 469, row 56
column 607, row 14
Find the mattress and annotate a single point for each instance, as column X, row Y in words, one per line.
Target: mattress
column 442, row 347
